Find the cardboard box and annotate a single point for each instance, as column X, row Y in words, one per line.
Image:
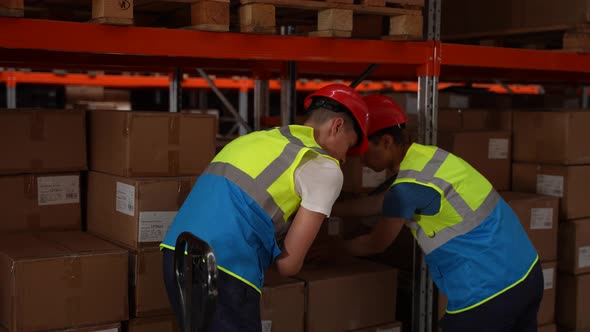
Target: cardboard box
column 102, row 328
column 574, row 246
column 348, row 296
column 546, row 313
column 147, row 291
column 474, row 119
column 282, row 305
column 453, row 100
column 35, row 202
column 151, row 143
column 391, row 327
column 548, row 328
column 359, row 178
column 152, row 324
column 569, row 183
column 487, row 151
column 115, row 327
column 42, row 141
column 552, row 137
column 408, row 101
column 573, row 301
column 55, row 280
column 538, row 215
column 134, row 212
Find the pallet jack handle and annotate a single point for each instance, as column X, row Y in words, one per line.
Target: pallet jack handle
column 196, row 277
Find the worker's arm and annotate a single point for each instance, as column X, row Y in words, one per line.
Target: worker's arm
column 300, row 236
column 365, row 206
column 378, row 239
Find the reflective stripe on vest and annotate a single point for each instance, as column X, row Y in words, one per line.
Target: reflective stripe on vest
column 470, row 218
column 257, row 187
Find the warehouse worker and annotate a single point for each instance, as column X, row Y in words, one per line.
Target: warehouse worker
column 263, row 199
column 477, row 252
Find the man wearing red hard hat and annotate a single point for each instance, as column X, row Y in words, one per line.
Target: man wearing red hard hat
column 477, row 252
column 263, row 198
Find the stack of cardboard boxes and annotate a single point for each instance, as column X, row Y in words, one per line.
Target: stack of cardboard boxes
column 53, row 276
column 552, row 158
column 142, row 168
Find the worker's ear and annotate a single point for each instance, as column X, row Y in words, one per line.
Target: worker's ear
column 387, row 141
column 337, row 126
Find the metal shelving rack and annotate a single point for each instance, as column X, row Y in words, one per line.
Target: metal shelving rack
column 52, row 44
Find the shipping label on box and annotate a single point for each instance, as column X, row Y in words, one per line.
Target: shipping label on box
column 548, row 278
column 125, row 198
column 53, row 190
column 498, row 148
column 153, row 225
column 583, row 257
column 266, row 326
column 551, row 185
column 541, row 218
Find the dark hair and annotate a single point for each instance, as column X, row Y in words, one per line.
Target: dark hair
column 397, row 132
column 323, row 109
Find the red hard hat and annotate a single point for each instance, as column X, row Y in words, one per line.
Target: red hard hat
column 349, row 98
column 384, row 112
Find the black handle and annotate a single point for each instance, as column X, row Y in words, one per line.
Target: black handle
column 196, row 277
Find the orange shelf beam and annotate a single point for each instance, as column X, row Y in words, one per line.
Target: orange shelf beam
column 242, row 84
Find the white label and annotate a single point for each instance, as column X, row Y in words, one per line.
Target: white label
column 583, row 257
column 388, row 329
column 109, row 330
column 498, row 148
column 52, row 190
column 125, row 199
column 266, row 325
column 541, row 218
column 334, row 226
column 372, row 179
column 153, row 226
column 548, row 278
column 551, row 185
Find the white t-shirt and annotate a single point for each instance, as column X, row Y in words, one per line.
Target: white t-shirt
column 318, row 181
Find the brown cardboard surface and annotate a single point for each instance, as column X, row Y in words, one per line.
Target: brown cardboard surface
column 151, row 144
column 548, row 328
column 574, row 246
column 42, row 141
column 452, row 119
column 55, row 280
column 28, row 204
column 148, row 295
column 551, row 137
column 478, row 148
column 391, row 327
column 538, row 216
column 462, row 16
column 119, row 209
column 282, row 304
column 573, row 301
column 569, row 183
column 546, row 313
column 152, row 324
column 348, row 296
column 116, row 327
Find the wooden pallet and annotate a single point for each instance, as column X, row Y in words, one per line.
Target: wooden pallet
column 570, row 38
column 209, row 15
column 332, row 18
